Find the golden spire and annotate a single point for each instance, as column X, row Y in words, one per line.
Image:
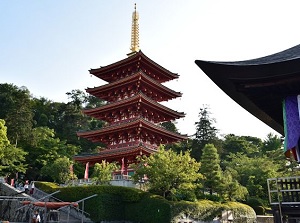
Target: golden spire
column 135, row 32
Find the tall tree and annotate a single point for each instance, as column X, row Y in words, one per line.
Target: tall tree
column 210, row 168
column 206, row 132
column 231, row 189
column 12, row 159
column 168, row 172
column 16, row 111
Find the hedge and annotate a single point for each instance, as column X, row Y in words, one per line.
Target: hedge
column 130, row 204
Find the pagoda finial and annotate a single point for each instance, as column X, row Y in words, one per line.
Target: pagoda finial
column 135, row 32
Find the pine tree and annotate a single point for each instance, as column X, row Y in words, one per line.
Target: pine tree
column 205, row 132
column 210, row 168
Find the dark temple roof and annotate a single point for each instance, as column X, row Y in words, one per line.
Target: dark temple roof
column 259, row 85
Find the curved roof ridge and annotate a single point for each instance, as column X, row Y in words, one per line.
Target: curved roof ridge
column 285, row 55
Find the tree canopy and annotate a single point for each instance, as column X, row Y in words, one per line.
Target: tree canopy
column 168, row 172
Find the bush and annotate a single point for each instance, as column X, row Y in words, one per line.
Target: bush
column 241, row 212
column 211, row 197
column 204, row 210
column 114, row 203
column 48, row 187
column 150, row 209
column 257, row 204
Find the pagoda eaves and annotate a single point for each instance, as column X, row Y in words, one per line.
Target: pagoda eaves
column 140, row 128
column 138, row 82
column 135, row 104
column 111, row 155
column 132, row 64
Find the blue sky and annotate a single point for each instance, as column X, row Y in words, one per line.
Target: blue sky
column 49, row 46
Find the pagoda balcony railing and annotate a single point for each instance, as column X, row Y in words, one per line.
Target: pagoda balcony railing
column 131, row 119
column 284, row 191
column 133, row 144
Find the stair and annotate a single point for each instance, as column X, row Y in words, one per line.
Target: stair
column 12, row 209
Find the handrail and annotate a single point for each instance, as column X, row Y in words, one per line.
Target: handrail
column 284, row 190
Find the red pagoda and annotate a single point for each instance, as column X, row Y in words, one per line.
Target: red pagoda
column 133, row 112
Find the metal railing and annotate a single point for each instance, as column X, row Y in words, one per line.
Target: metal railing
column 284, row 190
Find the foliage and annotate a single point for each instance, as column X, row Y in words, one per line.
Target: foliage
column 67, row 118
column 249, row 172
column 150, row 209
column 16, row 111
column 3, row 136
column 241, row 144
column 59, row 170
column 203, row 210
column 169, row 126
column 182, row 146
column 231, row 189
column 114, row 203
column 271, row 143
column 12, row 159
column 48, row 187
column 205, row 132
column 210, row 169
column 241, row 212
column 44, row 149
column 257, row 204
column 168, row 172
column 102, row 173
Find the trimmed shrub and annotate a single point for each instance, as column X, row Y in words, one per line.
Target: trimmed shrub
column 258, row 205
column 242, row 213
column 114, row 203
column 203, row 210
column 150, row 209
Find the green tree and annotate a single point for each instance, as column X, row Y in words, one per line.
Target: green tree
column 252, row 172
column 241, row 144
column 59, row 170
column 168, row 172
column 3, row 137
column 44, row 148
column 16, row 111
column 102, row 173
column 12, row 159
column 169, row 126
column 210, row 168
column 271, row 143
column 67, row 118
column 182, row 146
column 206, row 132
column 232, row 190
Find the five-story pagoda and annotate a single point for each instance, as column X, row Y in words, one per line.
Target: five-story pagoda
column 133, row 112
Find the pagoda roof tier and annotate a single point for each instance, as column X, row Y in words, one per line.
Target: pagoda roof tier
column 138, row 82
column 132, row 64
column 160, row 113
column 135, row 128
column 259, row 85
column 112, row 155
